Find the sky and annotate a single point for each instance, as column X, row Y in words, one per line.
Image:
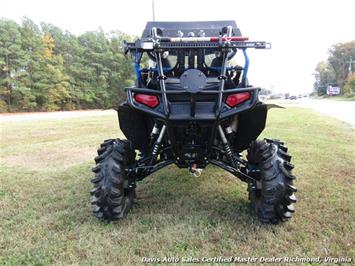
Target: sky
column 300, row 31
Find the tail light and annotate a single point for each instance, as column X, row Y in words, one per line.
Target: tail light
column 151, row 101
column 235, row 99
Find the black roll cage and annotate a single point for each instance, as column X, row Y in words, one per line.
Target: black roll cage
column 157, row 45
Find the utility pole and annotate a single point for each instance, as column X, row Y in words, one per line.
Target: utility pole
column 153, row 9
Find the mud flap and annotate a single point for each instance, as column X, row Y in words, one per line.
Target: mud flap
column 250, row 125
column 135, row 125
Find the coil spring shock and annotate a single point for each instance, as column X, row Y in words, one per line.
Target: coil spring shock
column 158, row 144
column 229, row 154
column 227, row 148
column 155, row 150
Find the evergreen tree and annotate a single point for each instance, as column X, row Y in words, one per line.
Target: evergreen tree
column 11, row 55
column 43, row 68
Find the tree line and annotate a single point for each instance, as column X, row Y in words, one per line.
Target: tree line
column 337, row 70
column 43, row 68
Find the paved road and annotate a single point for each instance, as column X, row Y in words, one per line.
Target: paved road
column 342, row 110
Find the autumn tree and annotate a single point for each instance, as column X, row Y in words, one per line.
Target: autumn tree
column 45, row 68
column 337, row 68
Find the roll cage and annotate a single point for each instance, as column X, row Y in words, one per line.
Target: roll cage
column 195, row 49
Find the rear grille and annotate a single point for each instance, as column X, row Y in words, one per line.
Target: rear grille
column 182, row 110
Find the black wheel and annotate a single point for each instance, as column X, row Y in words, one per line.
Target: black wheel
column 113, row 193
column 272, row 196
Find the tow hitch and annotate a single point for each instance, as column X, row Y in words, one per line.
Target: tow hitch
column 195, row 171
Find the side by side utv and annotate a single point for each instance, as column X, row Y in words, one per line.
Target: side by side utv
column 192, row 106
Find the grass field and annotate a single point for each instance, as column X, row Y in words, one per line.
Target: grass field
column 350, row 97
column 45, row 213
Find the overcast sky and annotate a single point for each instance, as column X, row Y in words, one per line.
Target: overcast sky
column 300, row 31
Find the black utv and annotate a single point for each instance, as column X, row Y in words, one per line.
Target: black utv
column 192, row 106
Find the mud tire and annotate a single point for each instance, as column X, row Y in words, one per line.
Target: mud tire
column 272, row 197
column 113, row 193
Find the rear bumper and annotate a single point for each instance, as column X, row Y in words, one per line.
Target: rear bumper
column 193, row 108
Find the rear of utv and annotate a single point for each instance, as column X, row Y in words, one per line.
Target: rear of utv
column 193, row 107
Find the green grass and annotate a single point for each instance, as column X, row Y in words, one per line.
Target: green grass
column 45, row 212
column 350, row 97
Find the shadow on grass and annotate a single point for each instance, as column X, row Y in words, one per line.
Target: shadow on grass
column 59, row 201
column 173, row 196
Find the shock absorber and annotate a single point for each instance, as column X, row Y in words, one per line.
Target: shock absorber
column 154, row 133
column 226, row 146
column 158, row 144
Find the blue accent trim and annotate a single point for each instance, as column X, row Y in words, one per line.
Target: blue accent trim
column 137, row 68
column 246, row 66
column 138, row 71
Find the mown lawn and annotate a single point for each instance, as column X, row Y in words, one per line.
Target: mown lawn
column 337, row 97
column 45, row 213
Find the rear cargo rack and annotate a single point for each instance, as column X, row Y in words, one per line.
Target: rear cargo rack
column 150, row 45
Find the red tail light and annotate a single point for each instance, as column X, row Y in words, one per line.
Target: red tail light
column 235, row 99
column 151, row 101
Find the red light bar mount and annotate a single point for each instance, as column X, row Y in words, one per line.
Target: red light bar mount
column 203, row 39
